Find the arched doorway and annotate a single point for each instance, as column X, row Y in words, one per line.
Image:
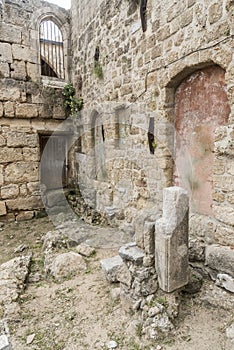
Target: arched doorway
column 201, row 105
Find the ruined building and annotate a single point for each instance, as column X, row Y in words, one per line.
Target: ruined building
column 157, row 83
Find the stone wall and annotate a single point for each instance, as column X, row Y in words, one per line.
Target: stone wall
column 29, row 106
column 127, row 77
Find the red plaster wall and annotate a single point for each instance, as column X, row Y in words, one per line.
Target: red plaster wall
column 201, row 105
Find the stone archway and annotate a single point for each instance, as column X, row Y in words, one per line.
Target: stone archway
column 201, row 105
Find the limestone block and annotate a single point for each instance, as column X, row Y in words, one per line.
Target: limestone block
column 225, row 281
column 9, row 191
column 2, row 208
column 9, row 109
column 224, row 182
column 224, row 235
column 10, row 33
column 220, row 258
column 10, row 154
column 21, row 139
column 111, row 266
column 4, row 70
column 5, row 53
column 124, row 276
column 85, row 250
column 25, row 215
column 9, row 93
column 215, row 12
column 171, row 240
column 32, row 71
column 18, row 70
column 21, row 53
column 4, row 342
column 27, row 203
column 130, row 252
column 31, row 154
column 224, row 214
column 26, row 110
column 33, row 188
column 21, row 172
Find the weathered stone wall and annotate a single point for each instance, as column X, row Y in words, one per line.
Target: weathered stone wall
column 141, row 71
column 28, row 106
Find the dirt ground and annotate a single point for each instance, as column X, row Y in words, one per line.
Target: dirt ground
column 82, row 312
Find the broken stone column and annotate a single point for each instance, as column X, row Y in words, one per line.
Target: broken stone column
column 171, row 240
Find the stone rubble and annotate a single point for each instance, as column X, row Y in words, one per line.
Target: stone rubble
column 111, row 267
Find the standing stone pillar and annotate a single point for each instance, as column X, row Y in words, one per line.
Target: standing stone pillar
column 171, row 240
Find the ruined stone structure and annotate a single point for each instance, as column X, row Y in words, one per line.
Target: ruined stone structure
column 157, row 83
column 157, row 78
column 31, row 104
column 158, row 110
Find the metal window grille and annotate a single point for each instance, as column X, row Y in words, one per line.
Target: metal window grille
column 51, row 50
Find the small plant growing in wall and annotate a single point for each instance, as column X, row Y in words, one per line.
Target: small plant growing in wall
column 72, row 104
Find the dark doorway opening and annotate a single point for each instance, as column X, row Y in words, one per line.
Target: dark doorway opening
column 54, row 160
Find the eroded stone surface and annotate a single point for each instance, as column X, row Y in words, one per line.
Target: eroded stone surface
column 111, row 267
column 171, row 240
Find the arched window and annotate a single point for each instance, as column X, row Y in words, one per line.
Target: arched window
column 51, row 50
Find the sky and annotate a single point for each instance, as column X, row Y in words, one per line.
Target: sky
column 63, row 3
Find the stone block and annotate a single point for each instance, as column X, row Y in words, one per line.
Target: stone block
column 4, row 343
column 22, row 139
column 28, row 203
column 18, row 70
column 130, row 252
column 224, row 235
column 225, row 281
column 9, row 191
column 5, row 53
column 111, row 267
column 10, row 154
column 10, row 33
column 9, row 93
column 4, row 70
column 85, row 250
column 171, row 240
column 220, row 259
column 32, row 71
column 215, row 12
column 66, row 264
column 26, row 110
column 21, row 172
column 20, row 53
column 31, row 154
column 25, row 215
column 224, row 214
column 2, row 208
column 9, row 109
